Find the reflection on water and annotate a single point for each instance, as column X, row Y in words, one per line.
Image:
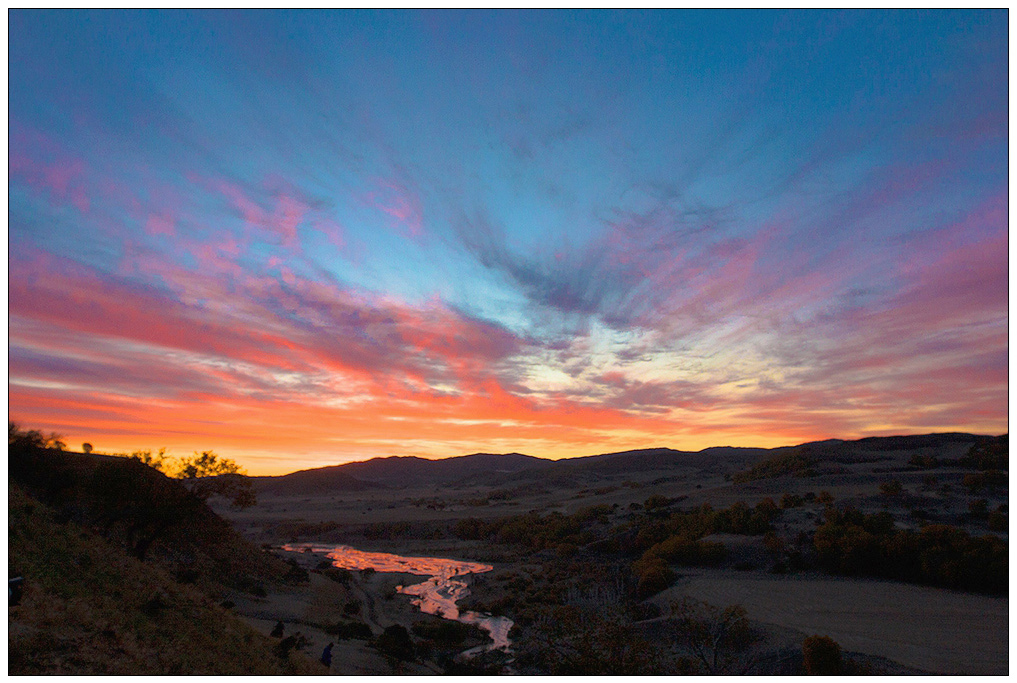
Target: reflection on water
column 437, row 595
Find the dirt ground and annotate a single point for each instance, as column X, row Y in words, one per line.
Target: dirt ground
column 926, row 628
column 307, row 608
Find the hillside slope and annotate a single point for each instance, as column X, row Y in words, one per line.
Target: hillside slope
column 90, row 608
column 150, row 516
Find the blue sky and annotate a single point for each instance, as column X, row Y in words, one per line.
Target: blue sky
column 553, row 232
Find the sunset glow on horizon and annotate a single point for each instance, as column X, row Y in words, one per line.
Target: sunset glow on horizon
column 306, row 238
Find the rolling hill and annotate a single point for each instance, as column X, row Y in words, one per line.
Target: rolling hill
column 487, row 469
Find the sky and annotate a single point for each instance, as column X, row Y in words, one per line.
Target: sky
column 305, row 238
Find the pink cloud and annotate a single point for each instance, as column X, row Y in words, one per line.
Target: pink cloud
column 62, row 179
column 160, row 224
column 400, row 202
column 283, row 220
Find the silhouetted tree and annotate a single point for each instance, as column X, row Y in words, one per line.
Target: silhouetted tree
column 206, row 475
column 32, row 438
column 86, row 448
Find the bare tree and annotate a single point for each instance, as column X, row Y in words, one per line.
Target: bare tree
column 720, row 640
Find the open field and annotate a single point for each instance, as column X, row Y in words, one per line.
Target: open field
column 925, row 628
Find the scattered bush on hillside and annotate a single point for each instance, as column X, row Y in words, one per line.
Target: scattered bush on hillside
column 924, row 462
column 657, row 502
column 822, row 657
column 989, row 454
column 798, row 462
column 989, row 479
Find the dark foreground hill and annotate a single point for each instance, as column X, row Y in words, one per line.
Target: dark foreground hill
column 121, row 568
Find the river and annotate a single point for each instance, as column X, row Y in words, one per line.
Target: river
column 437, row 595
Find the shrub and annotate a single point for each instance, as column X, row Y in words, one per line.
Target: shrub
column 924, row 462
column 395, row 642
column 338, row 574
column 653, row 575
column 998, row 521
column 979, row 508
column 347, row 630
column 989, row 454
column 798, row 462
column 790, row 500
column 821, row 656
column 990, row 479
column 656, row 502
column 891, row 488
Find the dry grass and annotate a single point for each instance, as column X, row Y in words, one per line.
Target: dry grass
column 927, row 628
column 89, row 608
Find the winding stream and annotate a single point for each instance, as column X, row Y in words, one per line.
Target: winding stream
column 437, row 595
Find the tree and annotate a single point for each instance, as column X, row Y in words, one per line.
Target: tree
column 207, row 475
column 821, row 656
column 159, row 461
column 720, row 640
column 33, row 438
column 86, row 448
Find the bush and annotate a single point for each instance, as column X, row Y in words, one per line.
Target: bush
column 998, row 521
column 349, row 630
column 395, row 642
column 891, row 488
column 799, row 462
column 445, row 633
column 990, row 479
column 653, row 575
column 821, row 656
column 790, row 500
column 338, row 574
column 989, row 454
column 979, row 509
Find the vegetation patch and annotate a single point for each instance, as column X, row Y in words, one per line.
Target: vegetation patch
column 798, row 462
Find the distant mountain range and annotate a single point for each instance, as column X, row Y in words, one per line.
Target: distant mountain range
column 515, row 468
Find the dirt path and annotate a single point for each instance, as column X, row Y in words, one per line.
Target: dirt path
column 935, row 630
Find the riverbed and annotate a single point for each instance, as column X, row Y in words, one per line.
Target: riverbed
column 437, row 595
